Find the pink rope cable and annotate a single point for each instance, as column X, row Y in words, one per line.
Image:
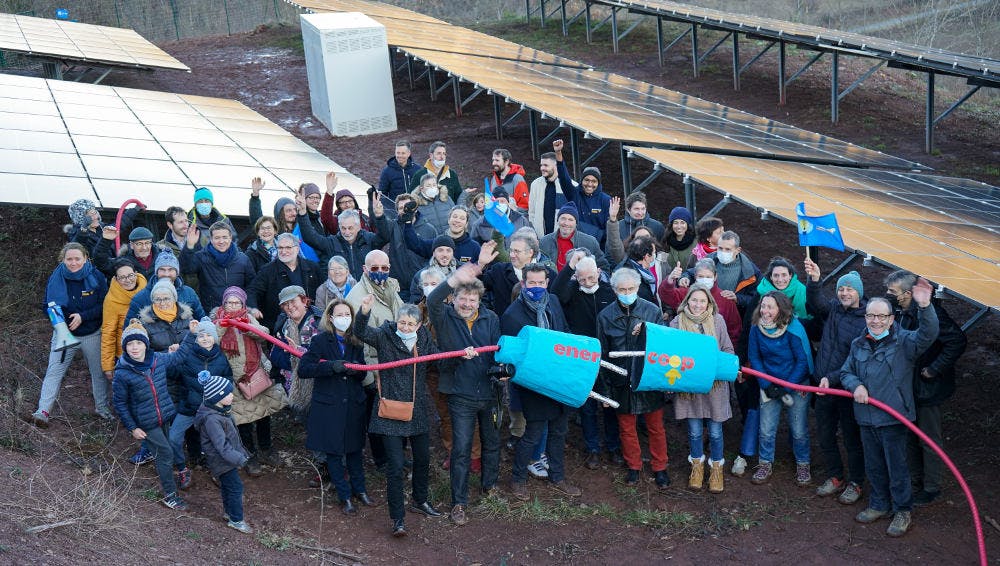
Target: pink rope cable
column 118, row 221
column 920, row 434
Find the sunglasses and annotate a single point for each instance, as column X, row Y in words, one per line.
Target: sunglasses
column 382, row 268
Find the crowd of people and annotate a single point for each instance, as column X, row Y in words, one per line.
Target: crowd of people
column 175, row 333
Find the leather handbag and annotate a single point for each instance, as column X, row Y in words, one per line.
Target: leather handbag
column 255, row 383
column 396, row 410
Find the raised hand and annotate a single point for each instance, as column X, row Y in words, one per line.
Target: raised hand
column 377, row 207
column 300, row 203
column 557, row 146
column 366, row 303
column 193, row 327
column 488, row 253
column 465, row 274
column 256, row 184
column 616, row 205
column 193, row 236
column 577, row 256
column 331, row 182
column 676, row 273
column 922, row 292
column 812, row 270
column 109, row 232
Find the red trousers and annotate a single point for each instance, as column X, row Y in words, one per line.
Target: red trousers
column 657, row 441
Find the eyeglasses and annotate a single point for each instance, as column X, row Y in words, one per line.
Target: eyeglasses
column 517, row 252
column 382, row 268
column 344, row 201
column 878, row 317
column 142, row 244
column 163, row 300
column 129, row 277
column 313, row 197
column 287, row 247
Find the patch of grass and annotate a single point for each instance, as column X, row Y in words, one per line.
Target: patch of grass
column 658, row 519
column 150, row 494
column 291, row 42
column 274, row 541
column 192, row 535
column 18, row 444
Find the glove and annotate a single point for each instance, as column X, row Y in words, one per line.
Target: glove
column 774, row 392
column 338, row 366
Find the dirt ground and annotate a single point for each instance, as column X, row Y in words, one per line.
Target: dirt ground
column 68, row 471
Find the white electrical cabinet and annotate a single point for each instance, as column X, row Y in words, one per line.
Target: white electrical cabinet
column 350, row 80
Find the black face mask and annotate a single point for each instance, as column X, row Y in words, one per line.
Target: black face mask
column 893, row 300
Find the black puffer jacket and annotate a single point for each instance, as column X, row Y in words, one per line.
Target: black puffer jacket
column 614, row 330
column 939, row 358
column 581, row 309
column 264, row 289
column 335, row 244
column 840, row 327
column 163, row 334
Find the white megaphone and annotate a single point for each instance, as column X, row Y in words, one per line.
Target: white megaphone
column 62, row 337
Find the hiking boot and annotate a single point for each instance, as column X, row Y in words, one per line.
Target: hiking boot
column 398, row 529
column 537, row 469
column 715, row 476
column 567, row 488
column 762, row 474
column 173, row 501
column 593, row 461
column 270, row 458
column 869, row 515
column 739, row 466
column 253, row 468
column 830, row 487
column 697, row 478
column 240, row 526
column 802, row 475
column 519, row 490
column 662, row 479
column 899, row 525
column 141, row 457
column 183, row 478
column 458, row 515
column 922, row 498
column 632, row 478
column 851, row 494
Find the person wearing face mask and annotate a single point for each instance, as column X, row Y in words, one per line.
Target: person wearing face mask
column 881, row 365
column 405, row 262
column 433, row 204
column 204, row 214
column 484, row 231
column 583, row 291
column 437, row 165
column 466, row 247
column 736, row 274
column 501, row 278
column 218, row 265
column 289, row 268
column 619, row 328
column 704, row 271
column 640, row 256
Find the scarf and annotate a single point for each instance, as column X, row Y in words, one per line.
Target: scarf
column 55, row 289
column 144, row 263
column 387, row 295
column 222, row 259
column 340, row 292
column 165, row 314
column 539, row 308
column 142, row 366
column 700, row 324
column 429, row 165
column 682, row 244
column 230, row 340
column 796, row 292
column 771, row 330
column 271, row 250
column 647, row 276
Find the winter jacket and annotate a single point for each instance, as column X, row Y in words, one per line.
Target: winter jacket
column 305, row 250
column 672, row 296
column 939, row 358
column 327, row 217
column 213, row 279
column 404, row 262
column 104, row 260
column 545, row 198
column 220, row 441
column 461, row 377
column 885, row 367
column 84, row 295
column 434, row 212
column 265, row 403
column 267, row 284
column 628, row 224
column 196, row 359
column 446, row 176
column 116, row 305
column 783, row 357
column 335, row 244
column 395, row 178
column 163, row 334
column 581, row 309
column 259, row 254
column 185, row 295
column 140, row 395
column 840, row 327
column 482, row 231
column 594, row 209
column 746, row 286
column 91, row 238
column 466, row 249
column 500, row 281
column 536, row 407
column 398, row 383
column 647, row 287
column 381, row 311
column 336, row 422
column 513, row 183
column 614, row 330
column 550, row 247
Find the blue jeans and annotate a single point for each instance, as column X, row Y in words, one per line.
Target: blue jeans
column 696, row 429
column 798, row 415
column 591, row 433
column 156, row 439
column 177, row 429
column 885, row 465
column 465, row 413
column 355, row 470
column 231, row 487
column 547, row 434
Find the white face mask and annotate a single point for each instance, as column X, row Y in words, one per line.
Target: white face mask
column 725, row 257
column 438, row 164
column 502, row 208
column 428, row 289
column 342, row 323
column 431, row 192
column 706, row 281
column 590, row 290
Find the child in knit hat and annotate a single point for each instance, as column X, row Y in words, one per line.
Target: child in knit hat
column 220, row 441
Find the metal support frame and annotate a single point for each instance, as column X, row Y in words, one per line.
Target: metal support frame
column 726, row 199
column 456, row 91
column 533, row 132
column 716, row 46
column 739, row 69
column 541, row 11
column 498, row 115
column 574, row 151
column 550, row 135
column 409, row 71
column 835, row 95
column 660, row 49
column 437, row 91
column 52, row 70
column 931, row 119
column 694, row 48
column 471, row 97
column 975, row 319
column 805, row 67
column 626, row 169
column 432, row 83
column 690, row 197
column 571, row 20
column 657, row 171
column 736, row 61
column 840, row 268
column 595, row 154
column 615, row 36
column 781, row 73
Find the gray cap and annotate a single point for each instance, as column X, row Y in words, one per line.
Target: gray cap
column 289, row 293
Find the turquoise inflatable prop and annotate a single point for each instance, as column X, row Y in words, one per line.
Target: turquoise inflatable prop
column 560, row 366
column 679, row 361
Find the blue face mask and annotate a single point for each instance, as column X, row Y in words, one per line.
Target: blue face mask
column 379, row 277
column 203, row 208
column 879, row 336
column 404, row 336
column 627, row 300
column 533, row 293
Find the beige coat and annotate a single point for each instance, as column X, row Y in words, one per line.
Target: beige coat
column 381, row 312
column 264, row 404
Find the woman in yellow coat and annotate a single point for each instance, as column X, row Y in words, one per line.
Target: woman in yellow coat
column 125, row 284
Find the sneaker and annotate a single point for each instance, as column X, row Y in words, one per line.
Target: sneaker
column 830, row 487
column 173, row 501
column 869, row 515
column 537, row 469
column 802, row 475
column 141, row 457
column 519, row 490
column 899, row 525
column 922, row 498
column 544, row 460
column 762, row 473
column 851, row 494
column 662, row 479
column 567, row 488
column 183, row 478
column 632, row 478
column 593, row 461
column 39, row 418
column 739, row 466
column 240, row 526
column 458, row 515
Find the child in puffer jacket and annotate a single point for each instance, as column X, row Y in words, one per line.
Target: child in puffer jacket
column 220, row 441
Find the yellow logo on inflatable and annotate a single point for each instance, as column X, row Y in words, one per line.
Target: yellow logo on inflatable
column 676, row 364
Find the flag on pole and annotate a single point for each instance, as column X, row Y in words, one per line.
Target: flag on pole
column 819, row 230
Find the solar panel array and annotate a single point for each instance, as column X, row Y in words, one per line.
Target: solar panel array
column 60, row 141
column 943, row 228
column 82, row 42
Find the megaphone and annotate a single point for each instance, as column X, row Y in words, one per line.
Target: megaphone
column 62, row 337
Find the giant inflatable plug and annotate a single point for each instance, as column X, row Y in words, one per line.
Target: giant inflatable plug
column 560, row 366
column 684, row 362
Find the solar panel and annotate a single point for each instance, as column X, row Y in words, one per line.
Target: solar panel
column 53, row 150
column 82, row 42
column 943, row 228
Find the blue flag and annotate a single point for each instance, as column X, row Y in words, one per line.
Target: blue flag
column 819, row 230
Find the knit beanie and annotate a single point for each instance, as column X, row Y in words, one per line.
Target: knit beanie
column 205, row 326
column 140, row 233
column 234, row 292
column 164, row 286
column 593, row 171
column 78, row 212
column 310, row 189
column 569, row 208
column 500, row 192
column 280, row 205
column 166, row 258
column 681, row 213
column 852, row 280
column 134, row 331
column 203, row 193
column 443, row 241
column 214, row 387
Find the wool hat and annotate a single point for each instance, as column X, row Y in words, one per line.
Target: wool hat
column 500, row 192
column 234, row 291
column 203, row 193
column 140, row 233
column 443, row 241
column 78, row 212
column 852, row 280
column 569, row 208
column 280, row 205
column 213, row 387
column 164, row 286
column 135, row 331
column 681, row 213
column 310, row 189
column 205, row 326
column 593, row 171
column 166, row 258
column 289, row 293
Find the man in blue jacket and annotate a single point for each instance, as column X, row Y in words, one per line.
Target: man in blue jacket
column 398, row 172
column 591, row 201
